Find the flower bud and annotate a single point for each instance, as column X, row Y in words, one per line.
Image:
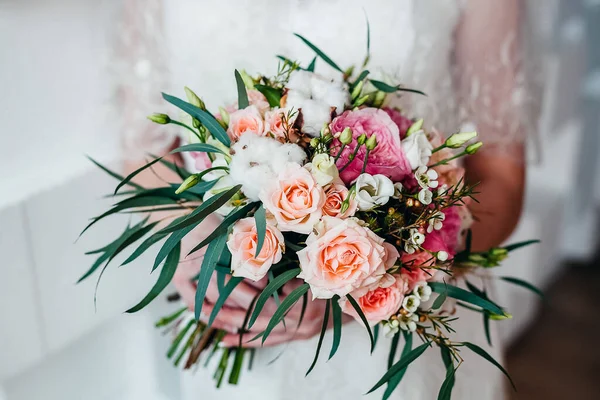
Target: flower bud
column 357, row 90
column 371, row 142
column 325, row 131
column 415, row 127
column 498, row 317
column 314, row 142
column 162, row 119
column 248, row 81
column 346, row 136
column 459, row 139
column 194, row 99
column 473, row 148
column 190, row 182
column 361, row 139
column 359, row 102
column 224, row 115
column 379, row 99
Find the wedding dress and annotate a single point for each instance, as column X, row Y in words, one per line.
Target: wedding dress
column 465, row 57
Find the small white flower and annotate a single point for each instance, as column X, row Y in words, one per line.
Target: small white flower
column 411, row 303
column 397, row 190
column 315, row 96
column 391, row 327
column 417, row 149
column 323, row 169
column 436, row 222
column 443, row 189
column 373, row 190
column 409, row 322
column 442, row 256
column 425, row 196
column 415, row 240
column 427, row 178
column 422, row 291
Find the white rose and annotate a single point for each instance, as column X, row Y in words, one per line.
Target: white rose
column 373, row 190
column 316, row 97
column 417, row 149
column 323, row 169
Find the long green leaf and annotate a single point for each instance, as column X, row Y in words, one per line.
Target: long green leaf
column 241, row 89
column 114, row 174
column 146, row 244
column 223, row 227
column 439, row 301
column 486, row 327
column 524, row 284
column 393, row 349
column 400, row 365
column 132, row 175
column 268, row 291
column 173, row 240
column 209, row 263
column 137, row 235
column 311, row 66
column 273, row 95
column 223, row 295
column 384, row 87
column 198, row 147
column 180, row 171
column 337, row 325
column 363, row 319
column 199, row 189
column 396, row 379
column 461, row 294
column 179, row 338
column 166, row 274
column 481, row 352
column 283, row 308
column 207, row 120
column 319, row 53
column 361, row 77
column 205, row 209
column 448, row 384
column 320, row 342
column 515, row 246
column 260, row 218
column 236, row 369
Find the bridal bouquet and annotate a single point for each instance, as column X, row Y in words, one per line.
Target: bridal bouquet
column 317, row 181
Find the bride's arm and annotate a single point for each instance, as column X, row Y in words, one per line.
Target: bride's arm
column 486, row 56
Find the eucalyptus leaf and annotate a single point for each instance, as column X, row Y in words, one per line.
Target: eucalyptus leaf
column 223, row 295
column 260, row 218
column 114, row 174
column 283, row 308
column 273, row 95
column 132, row 175
column 396, row 379
column 241, row 89
column 515, row 246
column 404, row 362
column 337, row 325
column 481, row 352
column 311, row 66
column 323, row 330
column 209, row 264
column 384, row 87
column 461, row 294
column 199, row 189
column 199, row 148
column 448, row 384
column 523, row 284
column 146, row 244
column 319, row 53
column 268, row 291
column 173, row 240
column 360, row 313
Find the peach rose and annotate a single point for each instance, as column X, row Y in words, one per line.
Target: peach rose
column 295, row 199
column 274, row 122
column 341, row 256
column 242, row 245
column 248, row 119
column 378, row 302
column 335, row 194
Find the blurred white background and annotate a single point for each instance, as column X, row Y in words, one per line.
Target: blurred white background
column 56, row 107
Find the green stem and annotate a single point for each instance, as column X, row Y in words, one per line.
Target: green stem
column 351, row 158
column 340, row 152
column 446, row 161
column 190, row 129
column 443, row 146
column 364, row 167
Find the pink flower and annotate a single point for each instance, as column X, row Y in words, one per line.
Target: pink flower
column 341, row 256
column 335, row 194
column 247, row 120
column 387, row 158
column 400, row 120
column 379, row 302
column 295, row 199
column 274, row 122
column 417, row 267
column 256, row 98
column 242, row 245
column 391, row 255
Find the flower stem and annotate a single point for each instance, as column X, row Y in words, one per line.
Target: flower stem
column 339, row 153
column 446, row 161
column 351, row 158
column 364, row 167
column 443, row 146
column 190, row 129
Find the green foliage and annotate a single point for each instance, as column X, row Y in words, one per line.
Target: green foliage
column 337, row 325
column 260, row 218
column 209, row 263
column 320, row 342
column 403, row 363
column 269, row 290
column 384, row 87
column 242, row 94
column 396, row 379
column 484, row 354
column 323, row 56
column 523, row 284
column 363, row 319
column 283, row 308
column 448, row 384
column 461, row 294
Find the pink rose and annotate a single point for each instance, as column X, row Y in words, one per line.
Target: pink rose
column 277, row 122
column 379, row 302
column 247, row 120
column 400, row 120
column 335, row 194
column 256, row 98
column 387, row 158
column 242, row 245
column 340, row 257
column 391, row 255
column 417, row 267
column 295, row 199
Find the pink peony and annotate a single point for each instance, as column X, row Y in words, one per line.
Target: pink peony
column 400, row 120
column 247, row 120
column 341, row 256
column 379, row 302
column 387, row 158
column 242, row 245
column 295, row 199
column 335, row 194
column 414, row 266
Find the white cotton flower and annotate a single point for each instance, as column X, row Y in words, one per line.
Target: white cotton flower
column 425, row 196
column 323, row 169
column 373, row 190
column 436, row 222
column 225, row 183
column 427, row 178
column 316, row 97
column 257, row 160
column 417, row 149
column 409, row 322
column 422, row 291
column 415, row 240
column 411, row 303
